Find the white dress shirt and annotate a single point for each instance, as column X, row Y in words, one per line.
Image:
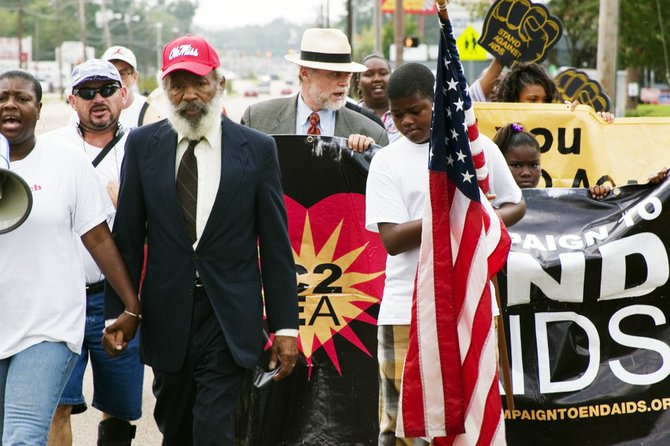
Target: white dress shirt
column 326, row 119
column 208, row 156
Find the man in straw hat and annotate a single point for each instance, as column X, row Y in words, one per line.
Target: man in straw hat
column 319, row 108
column 207, row 192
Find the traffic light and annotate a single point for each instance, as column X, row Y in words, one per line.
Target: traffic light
column 411, row 42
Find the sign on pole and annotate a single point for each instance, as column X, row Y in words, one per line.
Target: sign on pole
column 468, row 48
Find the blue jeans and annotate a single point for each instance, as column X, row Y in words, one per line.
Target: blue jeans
column 117, row 382
column 31, row 382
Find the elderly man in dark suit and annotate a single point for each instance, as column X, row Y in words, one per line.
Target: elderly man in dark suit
column 205, row 193
column 325, row 73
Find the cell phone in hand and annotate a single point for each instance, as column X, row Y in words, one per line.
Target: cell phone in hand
column 262, row 377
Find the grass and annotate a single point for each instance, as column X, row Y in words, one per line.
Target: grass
column 649, row 110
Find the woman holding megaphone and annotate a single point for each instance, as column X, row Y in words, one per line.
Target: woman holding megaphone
column 42, row 289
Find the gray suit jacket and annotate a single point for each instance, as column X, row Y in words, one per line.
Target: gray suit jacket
column 277, row 117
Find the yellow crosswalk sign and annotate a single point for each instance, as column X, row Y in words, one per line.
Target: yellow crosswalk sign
column 468, row 49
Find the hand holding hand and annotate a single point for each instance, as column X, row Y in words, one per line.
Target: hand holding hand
column 116, row 336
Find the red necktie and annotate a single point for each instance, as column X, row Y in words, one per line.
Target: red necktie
column 313, row 124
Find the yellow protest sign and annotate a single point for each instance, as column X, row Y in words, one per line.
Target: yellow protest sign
column 579, row 148
column 468, row 48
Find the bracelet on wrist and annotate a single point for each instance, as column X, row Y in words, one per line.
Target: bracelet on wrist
column 442, row 6
column 138, row 316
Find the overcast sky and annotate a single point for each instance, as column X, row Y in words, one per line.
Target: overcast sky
column 231, row 13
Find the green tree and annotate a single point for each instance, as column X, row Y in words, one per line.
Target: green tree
column 134, row 23
column 640, row 37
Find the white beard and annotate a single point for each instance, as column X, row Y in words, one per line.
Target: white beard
column 197, row 130
column 324, row 101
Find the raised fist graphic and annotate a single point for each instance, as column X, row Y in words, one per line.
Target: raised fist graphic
column 519, row 30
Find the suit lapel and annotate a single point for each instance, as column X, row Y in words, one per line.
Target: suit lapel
column 343, row 126
column 285, row 117
column 164, row 154
column 233, row 159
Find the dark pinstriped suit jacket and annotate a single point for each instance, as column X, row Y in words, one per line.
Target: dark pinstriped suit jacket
column 248, row 217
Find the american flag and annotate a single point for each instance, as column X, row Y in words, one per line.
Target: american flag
column 450, row 389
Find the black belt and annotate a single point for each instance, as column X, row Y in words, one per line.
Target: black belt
column 93, row 288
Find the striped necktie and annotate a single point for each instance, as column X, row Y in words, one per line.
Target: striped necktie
column 187, row 187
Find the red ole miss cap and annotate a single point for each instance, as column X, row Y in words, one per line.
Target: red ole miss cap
column 190, row 53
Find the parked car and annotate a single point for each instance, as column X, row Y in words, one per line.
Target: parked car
column 251, row 93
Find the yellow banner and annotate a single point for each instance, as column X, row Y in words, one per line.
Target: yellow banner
column 410, row 6
column 579, row 148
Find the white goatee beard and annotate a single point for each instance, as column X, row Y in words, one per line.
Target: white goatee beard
column 324, row 101
column 199, row 129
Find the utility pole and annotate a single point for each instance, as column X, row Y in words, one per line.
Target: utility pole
column 325, row 14
column 399, row 32
column 159, row 46
column 105, row 24
column 350, row 25
column 377, row 21
column 82, row 27
column 19, row 28
column 59, row 51
column 608, row 36
column 36, row 54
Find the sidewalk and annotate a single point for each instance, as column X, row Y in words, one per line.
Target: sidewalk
column 85, row 425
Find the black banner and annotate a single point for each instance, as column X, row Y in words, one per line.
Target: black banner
column 585, row 300
column 332, row 396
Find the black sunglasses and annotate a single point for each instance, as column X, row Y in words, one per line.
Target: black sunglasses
column 88, row 93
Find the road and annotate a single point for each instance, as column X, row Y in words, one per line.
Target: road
column 55, row 113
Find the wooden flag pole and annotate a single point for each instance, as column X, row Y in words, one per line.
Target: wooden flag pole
column 502, row 351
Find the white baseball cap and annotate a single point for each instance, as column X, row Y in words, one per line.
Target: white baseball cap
column 95, row 70
column 120, row 53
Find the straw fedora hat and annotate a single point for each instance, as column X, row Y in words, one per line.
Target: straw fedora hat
column 325, row 49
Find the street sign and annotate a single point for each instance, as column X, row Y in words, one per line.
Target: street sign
column 411, row 6
column 468, row 48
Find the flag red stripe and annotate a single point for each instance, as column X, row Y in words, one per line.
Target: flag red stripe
column 412, row 402
column 493, row 415
column 479, row 332
column 445, row 316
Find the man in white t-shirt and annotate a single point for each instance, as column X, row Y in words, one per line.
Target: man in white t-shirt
column 125, row 61
column 98, row 97
column 395, row 196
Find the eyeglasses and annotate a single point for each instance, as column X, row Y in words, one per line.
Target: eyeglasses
column 88, row 93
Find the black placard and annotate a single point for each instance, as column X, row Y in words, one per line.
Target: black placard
column 576, row 85
column 519, row 30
